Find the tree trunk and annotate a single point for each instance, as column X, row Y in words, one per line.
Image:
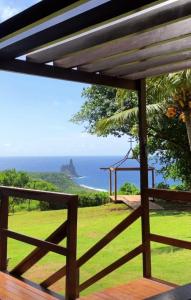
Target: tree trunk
column 188, row 127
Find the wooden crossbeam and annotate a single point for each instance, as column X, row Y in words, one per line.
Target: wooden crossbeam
column 115, row 265
column 101, row 13
column 128, row 43
column 48, row 71
column 127, row 25
column 31, row 15
column 139, row 66
column 97, row 247
column 162, row 69
column 56, row 237
column 170, row 241
column 168, row 195
column 124, row 58
column 35, row 242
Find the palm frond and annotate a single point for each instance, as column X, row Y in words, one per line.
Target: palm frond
column 126, row 116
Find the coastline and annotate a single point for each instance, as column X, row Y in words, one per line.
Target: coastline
column 92, row 188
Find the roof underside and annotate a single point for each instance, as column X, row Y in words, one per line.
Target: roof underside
column 99, row 41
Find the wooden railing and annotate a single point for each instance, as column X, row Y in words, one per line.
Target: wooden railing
column 169, row 195
column 67, row 230
column 96, row 248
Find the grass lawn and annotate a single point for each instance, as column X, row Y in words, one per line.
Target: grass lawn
column 168, row 263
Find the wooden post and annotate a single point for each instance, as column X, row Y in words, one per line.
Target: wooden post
column 110, row 182
column 115, row 191
column 72, row 276
column 153, row 178
column 4, row 211
column 144, row 178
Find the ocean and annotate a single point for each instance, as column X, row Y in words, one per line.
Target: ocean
column 88, row 169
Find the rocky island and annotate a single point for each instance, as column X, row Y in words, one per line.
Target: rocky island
column 69, row 170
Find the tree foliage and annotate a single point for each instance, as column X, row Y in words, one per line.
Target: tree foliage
column 112, row 111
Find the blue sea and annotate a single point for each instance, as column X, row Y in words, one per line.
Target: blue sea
column 88, row 168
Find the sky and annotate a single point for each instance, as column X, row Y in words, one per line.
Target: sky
column 35, row 113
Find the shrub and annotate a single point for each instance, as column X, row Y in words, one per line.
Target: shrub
column 93, row 199
column 128, row 189
column 163, row 185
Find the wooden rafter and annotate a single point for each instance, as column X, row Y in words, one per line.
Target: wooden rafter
column 48, row 71
column 101, row 13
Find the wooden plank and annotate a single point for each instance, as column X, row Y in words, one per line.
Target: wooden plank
column 57, row 236
column 166, row 48
column 35, row 242
column 168, row 194
column 128, row 24
column 36, row 194
column 139, row 289
column 71, row 24
column 164, row 69
column 97, row 247
column 72, row 283
column 4, row 210
column 118, row 263
column 31, row 15
column 145, row 222
column 124, row 70
column 14, row 289
column 19, row 66
column 170, row 241
column 179, row 293
column 132, row 42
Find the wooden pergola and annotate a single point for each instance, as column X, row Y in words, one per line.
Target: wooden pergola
column 113, row 43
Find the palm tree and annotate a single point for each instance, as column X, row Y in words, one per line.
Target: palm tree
column 169, row 94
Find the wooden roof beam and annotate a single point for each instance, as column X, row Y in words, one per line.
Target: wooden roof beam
column 100, row 13
column 31, row 15
column 48, row 71
column 133, row 22
column 163, row 69
column 139, row 66
column 166, row 48
column 133, row 42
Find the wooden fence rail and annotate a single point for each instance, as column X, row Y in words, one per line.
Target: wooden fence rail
column 97, row 247
column 67, row 230
column 168, row 194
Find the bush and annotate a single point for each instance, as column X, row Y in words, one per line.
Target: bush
column 93, row 199
column 129, row 189
column 178, row 187
column 163, row 185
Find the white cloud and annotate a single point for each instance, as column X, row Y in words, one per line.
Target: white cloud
column 6, row 12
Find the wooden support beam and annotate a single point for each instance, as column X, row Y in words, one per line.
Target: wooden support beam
column 115, row 265
column 127, row 25
column 110, row 236
column 4, row 210
column 35, row 242
column 168, row 195
column 48, row 71
column 128, row 43
column 124, row 70
column 167, row 48
column 144, row 179
column 56, row 237
column 91, row 17
column 31, row 15
column 72, row 275
column 163, row 69
column 170, row 241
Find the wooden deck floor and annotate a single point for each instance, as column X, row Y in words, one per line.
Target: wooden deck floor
column 14, row 289
column 135, row 290
column 134, row 201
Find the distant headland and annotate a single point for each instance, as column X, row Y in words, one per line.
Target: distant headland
column 69, row 169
